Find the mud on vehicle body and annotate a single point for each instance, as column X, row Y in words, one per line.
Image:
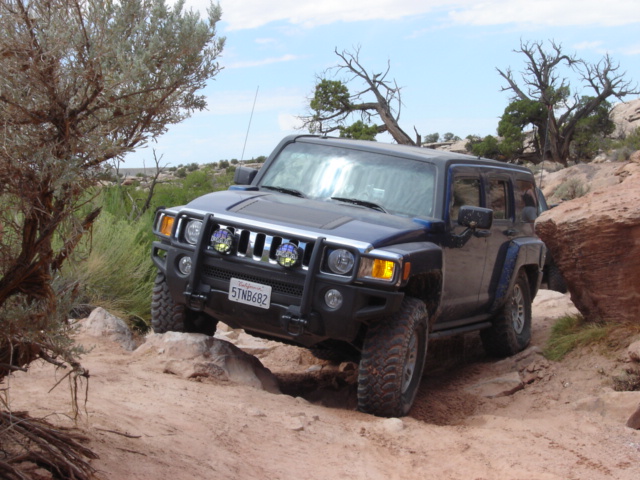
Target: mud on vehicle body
column 360, row 247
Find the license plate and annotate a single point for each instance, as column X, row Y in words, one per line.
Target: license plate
column 250, row 293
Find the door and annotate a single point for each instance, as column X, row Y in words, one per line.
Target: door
column 463, row 261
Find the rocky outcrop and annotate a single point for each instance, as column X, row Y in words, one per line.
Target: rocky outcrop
column 595, row 240
column 626, row 116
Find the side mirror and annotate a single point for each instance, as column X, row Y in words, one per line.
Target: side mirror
column 244, row 175
column 475, row 217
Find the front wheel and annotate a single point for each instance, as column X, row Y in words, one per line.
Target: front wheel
column 510, row 331
column 167, row 316
column 392, row 362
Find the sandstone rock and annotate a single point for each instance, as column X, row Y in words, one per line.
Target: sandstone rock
column 595, row 241
column 192, row 355
column 101, row 323
column 612, row 405
column 634, row 351
column 634, row 420
column 498, row 387
column 626, row 116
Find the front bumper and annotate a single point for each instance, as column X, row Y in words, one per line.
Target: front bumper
column 297, row 311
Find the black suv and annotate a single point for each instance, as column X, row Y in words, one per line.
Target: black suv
column 342, row 245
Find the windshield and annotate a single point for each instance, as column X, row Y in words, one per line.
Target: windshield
column 321, row 172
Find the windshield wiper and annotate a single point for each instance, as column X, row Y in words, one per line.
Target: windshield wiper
column 288, row 191
column 362, row 203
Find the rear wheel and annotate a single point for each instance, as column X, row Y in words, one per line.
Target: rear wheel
column 167, row 316
column 393, row 358
column 510, row 332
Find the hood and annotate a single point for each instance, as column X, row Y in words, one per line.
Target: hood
column 321, row 217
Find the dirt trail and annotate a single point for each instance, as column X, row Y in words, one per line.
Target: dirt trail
column 566, row 423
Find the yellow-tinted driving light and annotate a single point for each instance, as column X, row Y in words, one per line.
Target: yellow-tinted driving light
column 288, row 255
column 166, row 225
column 383, row 269
column 222, row 240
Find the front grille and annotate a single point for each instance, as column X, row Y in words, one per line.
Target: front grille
column 284, row 288
column 261, row 247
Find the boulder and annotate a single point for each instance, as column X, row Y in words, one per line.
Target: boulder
column 626, row 116
column 101, row 323
column 193, row 355
column 595, row 241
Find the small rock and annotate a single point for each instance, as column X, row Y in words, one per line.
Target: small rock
column 634, row 351
column 103, row 324
column 393, row 425
column 634, row 420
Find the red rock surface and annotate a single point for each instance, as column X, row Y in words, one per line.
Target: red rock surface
column 595, row 240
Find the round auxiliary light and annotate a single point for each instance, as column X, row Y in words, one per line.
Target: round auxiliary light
column 287, row 255
column 222, row 240
column 333, row 299
column 192, row 232
column 341, row 261
column 184, row 265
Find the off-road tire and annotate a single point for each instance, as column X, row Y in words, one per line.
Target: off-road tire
column 167, row 316
column 555, row 280
column 392, row 362
column 510, row 331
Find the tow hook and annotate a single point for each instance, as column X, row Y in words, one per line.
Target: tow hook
column 195, row 301
column 294, row 326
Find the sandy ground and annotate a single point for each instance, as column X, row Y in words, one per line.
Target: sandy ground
column 566, row 423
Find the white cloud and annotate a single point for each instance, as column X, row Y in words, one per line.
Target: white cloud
column 546, row 13
column 247, row 14
column 264, row 61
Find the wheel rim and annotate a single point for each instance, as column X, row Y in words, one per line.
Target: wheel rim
column 410, row 362
column 518, row 316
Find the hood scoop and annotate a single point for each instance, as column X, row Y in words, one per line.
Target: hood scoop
column 266, row 208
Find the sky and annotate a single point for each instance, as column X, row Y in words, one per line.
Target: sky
column 443, row 53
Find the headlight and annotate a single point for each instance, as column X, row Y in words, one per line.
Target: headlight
column 192, row 232
column 341, row 261
column 377, row 269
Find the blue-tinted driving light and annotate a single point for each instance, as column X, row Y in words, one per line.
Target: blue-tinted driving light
column 287, row 255
column 333, row 299
column 222, row 240
column 341, row 261
column 184, row 265
column 192, row 232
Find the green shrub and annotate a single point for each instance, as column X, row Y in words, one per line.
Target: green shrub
column 572, row 188
column 116, row 272
column 570, row 332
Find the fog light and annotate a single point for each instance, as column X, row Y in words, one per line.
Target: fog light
column 222, row 240
column 184, row 265
column 333, row 298
column 287, row 255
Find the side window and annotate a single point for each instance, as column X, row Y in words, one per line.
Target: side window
column 499, row 199
column 526, row 201
column 466, row 191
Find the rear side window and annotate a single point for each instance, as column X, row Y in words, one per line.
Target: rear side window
column 526, row 201
column 498, row 199
column 466, row 191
